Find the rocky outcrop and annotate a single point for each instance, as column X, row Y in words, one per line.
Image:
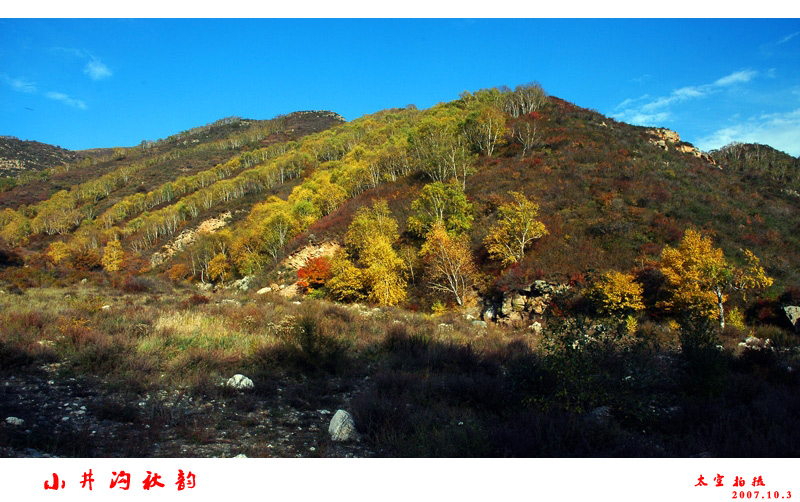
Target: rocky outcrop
column 299, row 259
column 516, row 305
column 243, row 284
column 187, row 237
column 664, row 138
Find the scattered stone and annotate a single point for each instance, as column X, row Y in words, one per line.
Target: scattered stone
column 243, row 284
column 536, row 327
column 754, row 343
column 241, row 455
column 600, row 415
column 105, row 307
column 240, row 382
column 793, row 313
column 84, row 280
column 445, row 327
column 480, row 324
column 264, row 290
column 342, row 427
column 14, row 421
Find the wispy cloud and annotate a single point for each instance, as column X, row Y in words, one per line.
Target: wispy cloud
column 97, row 70
column 787, row 38
column 60, row 96
column 19, row 84
column 649, row 111
column 735, row 78
column 779, row 130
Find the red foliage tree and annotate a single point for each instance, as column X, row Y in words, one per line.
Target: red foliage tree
column 315, row 273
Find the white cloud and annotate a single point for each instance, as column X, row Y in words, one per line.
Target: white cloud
column 650, row 111
column 787, row 38
column 735, row 78
column 778, row 130
column 19, row 84
column 97, row 70
column 60, row 96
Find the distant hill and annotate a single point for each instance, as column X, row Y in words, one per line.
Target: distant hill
column 18, row 156
column 183, row 153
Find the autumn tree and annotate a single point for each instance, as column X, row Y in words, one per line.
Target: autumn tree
column 449, row 266
column 440, row 203
column 369, row 241
column 59, row 251
column 178, row 272
column 616, row 294
column 441, row 147
column 347, row 282
column 384, row 272
column 516, row 229
column 315, row 273
column 113, row 256
column 699, row 275
column 486, row 128
column 525, row 132
column 219, row 269
column 369, row 223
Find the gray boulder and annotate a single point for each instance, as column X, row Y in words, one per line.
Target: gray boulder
column 240, row 382
column 342, row 427
column 793, row 313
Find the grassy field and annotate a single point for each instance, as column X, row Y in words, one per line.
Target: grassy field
column 149, row 368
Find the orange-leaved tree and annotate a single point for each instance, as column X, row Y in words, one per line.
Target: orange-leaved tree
column 698, row 276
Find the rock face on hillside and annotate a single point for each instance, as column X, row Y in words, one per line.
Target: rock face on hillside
column 188, row 236
column 664, row 138
column 299, row 259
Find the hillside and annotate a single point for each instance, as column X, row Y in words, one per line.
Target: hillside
column 381, row 264
column 23, row 160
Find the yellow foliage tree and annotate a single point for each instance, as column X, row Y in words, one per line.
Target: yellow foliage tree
column 112, row 256
column 448, row 263
column 517, row 228
column 384, row 272
column 58, row 251
column 369, row 223
column 219, row 269
column 616, row 294
column 347, row 282
column 698, row 276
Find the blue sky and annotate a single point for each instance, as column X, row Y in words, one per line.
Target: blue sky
column 82, row 83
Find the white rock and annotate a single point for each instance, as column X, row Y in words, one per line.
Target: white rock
column 240, row 382
column 342, row 427
column 264, row 290
column 105, row 307
column 14, row 421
